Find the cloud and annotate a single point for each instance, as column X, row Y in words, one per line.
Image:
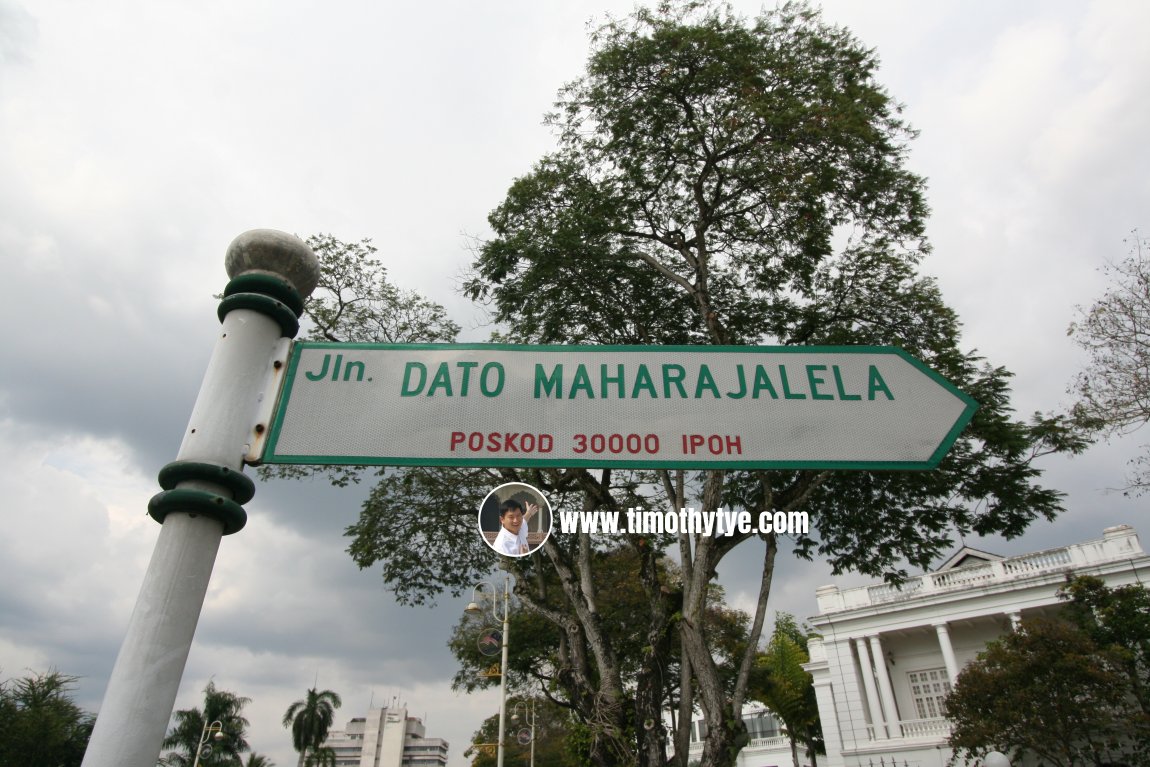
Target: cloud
column 74, row 547
column 141, row 137
column 17, row 34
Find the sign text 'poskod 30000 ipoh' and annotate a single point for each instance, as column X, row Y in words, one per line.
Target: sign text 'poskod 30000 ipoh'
column 640, row 407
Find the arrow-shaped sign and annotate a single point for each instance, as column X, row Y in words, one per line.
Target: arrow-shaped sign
column 622, row 406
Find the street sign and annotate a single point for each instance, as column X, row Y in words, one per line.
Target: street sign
column 614, row 406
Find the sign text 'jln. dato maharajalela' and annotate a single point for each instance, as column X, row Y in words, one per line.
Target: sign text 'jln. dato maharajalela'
column 639, row 407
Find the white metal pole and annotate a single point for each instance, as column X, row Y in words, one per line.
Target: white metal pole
column 271, row 274
column 503, row 671
column 217, row 728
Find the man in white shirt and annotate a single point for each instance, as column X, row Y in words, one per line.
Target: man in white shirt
column 512, row 538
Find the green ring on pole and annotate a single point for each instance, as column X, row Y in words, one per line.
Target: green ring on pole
column 269, row 285
column 240, row 485
column 266, row 305
column 199, row 502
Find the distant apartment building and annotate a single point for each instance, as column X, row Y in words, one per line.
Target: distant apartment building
column 889, row 655
column 386, row 737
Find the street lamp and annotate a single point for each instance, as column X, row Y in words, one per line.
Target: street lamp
column 529, row 717
column 996, row 759
column 475, row 608
column 213, row 731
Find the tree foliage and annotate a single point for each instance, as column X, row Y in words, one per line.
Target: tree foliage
column 320, row 757
column 726, row 181
column 40, row 725
column 781, row 684
column 355, row 303
column 310, row 719
column 1071, row 691
column 1114, row 389
column 538, row 655
column 1118, row 621
column 189, row 727
column 556, row 736
column 1047, row 691
column 717, row 180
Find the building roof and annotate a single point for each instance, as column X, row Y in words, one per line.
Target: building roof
column 967, row 556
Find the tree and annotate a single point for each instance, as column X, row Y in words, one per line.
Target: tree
column 556, row 737
column 354, row 302
column 310, row 720
column 1118, row 621
column 189, row 725
column 258, row 760
column 1047, row 691
column 320, row 757
column 782, row 685
column 1114, row 389
column 730, row 182
column 717, row 181
column 541, row 660
column 40, row 725
column 355, row 296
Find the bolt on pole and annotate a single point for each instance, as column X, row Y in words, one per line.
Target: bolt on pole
column 203, row 491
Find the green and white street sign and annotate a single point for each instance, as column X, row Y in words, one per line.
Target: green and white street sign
column 614, row 406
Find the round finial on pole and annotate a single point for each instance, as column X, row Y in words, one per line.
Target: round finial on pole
column 273, row 252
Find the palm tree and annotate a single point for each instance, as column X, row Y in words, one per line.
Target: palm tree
column 780, row 682
column 310, row 719
column 188, row 727
column 258, row 760
column 321, row 757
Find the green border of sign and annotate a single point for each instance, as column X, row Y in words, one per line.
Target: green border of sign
column 270, row 456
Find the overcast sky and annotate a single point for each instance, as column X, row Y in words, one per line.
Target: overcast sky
column 137, row 138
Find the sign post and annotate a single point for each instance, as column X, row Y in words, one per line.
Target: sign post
column 614, row 406
column 204, row 490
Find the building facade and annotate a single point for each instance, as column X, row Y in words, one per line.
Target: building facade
column 386, row 737
column 889, row 655
column 768, row 746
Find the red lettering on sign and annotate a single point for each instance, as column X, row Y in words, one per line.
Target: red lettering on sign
column 715, row 444
column 501, row 442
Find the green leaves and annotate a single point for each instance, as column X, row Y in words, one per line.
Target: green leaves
column 1069, row 691
column 1049, row 691
column 711, row 154
column 188, row 728
column 40, row 726
column 779, row 682
column 355, row 302
column 419, row 526
column 310, row 720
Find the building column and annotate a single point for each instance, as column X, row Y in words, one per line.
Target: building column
column 947, row 652
column 885, row 689
column 1015, row 620
column 819, row 667
column 877, row 720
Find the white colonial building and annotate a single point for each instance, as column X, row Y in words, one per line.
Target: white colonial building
column 768, row 747
column 386, row 737
column 889, row 655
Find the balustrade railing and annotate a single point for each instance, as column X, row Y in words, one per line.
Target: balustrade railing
column 965, row 577
column 1120, row 542
column 925, row 728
